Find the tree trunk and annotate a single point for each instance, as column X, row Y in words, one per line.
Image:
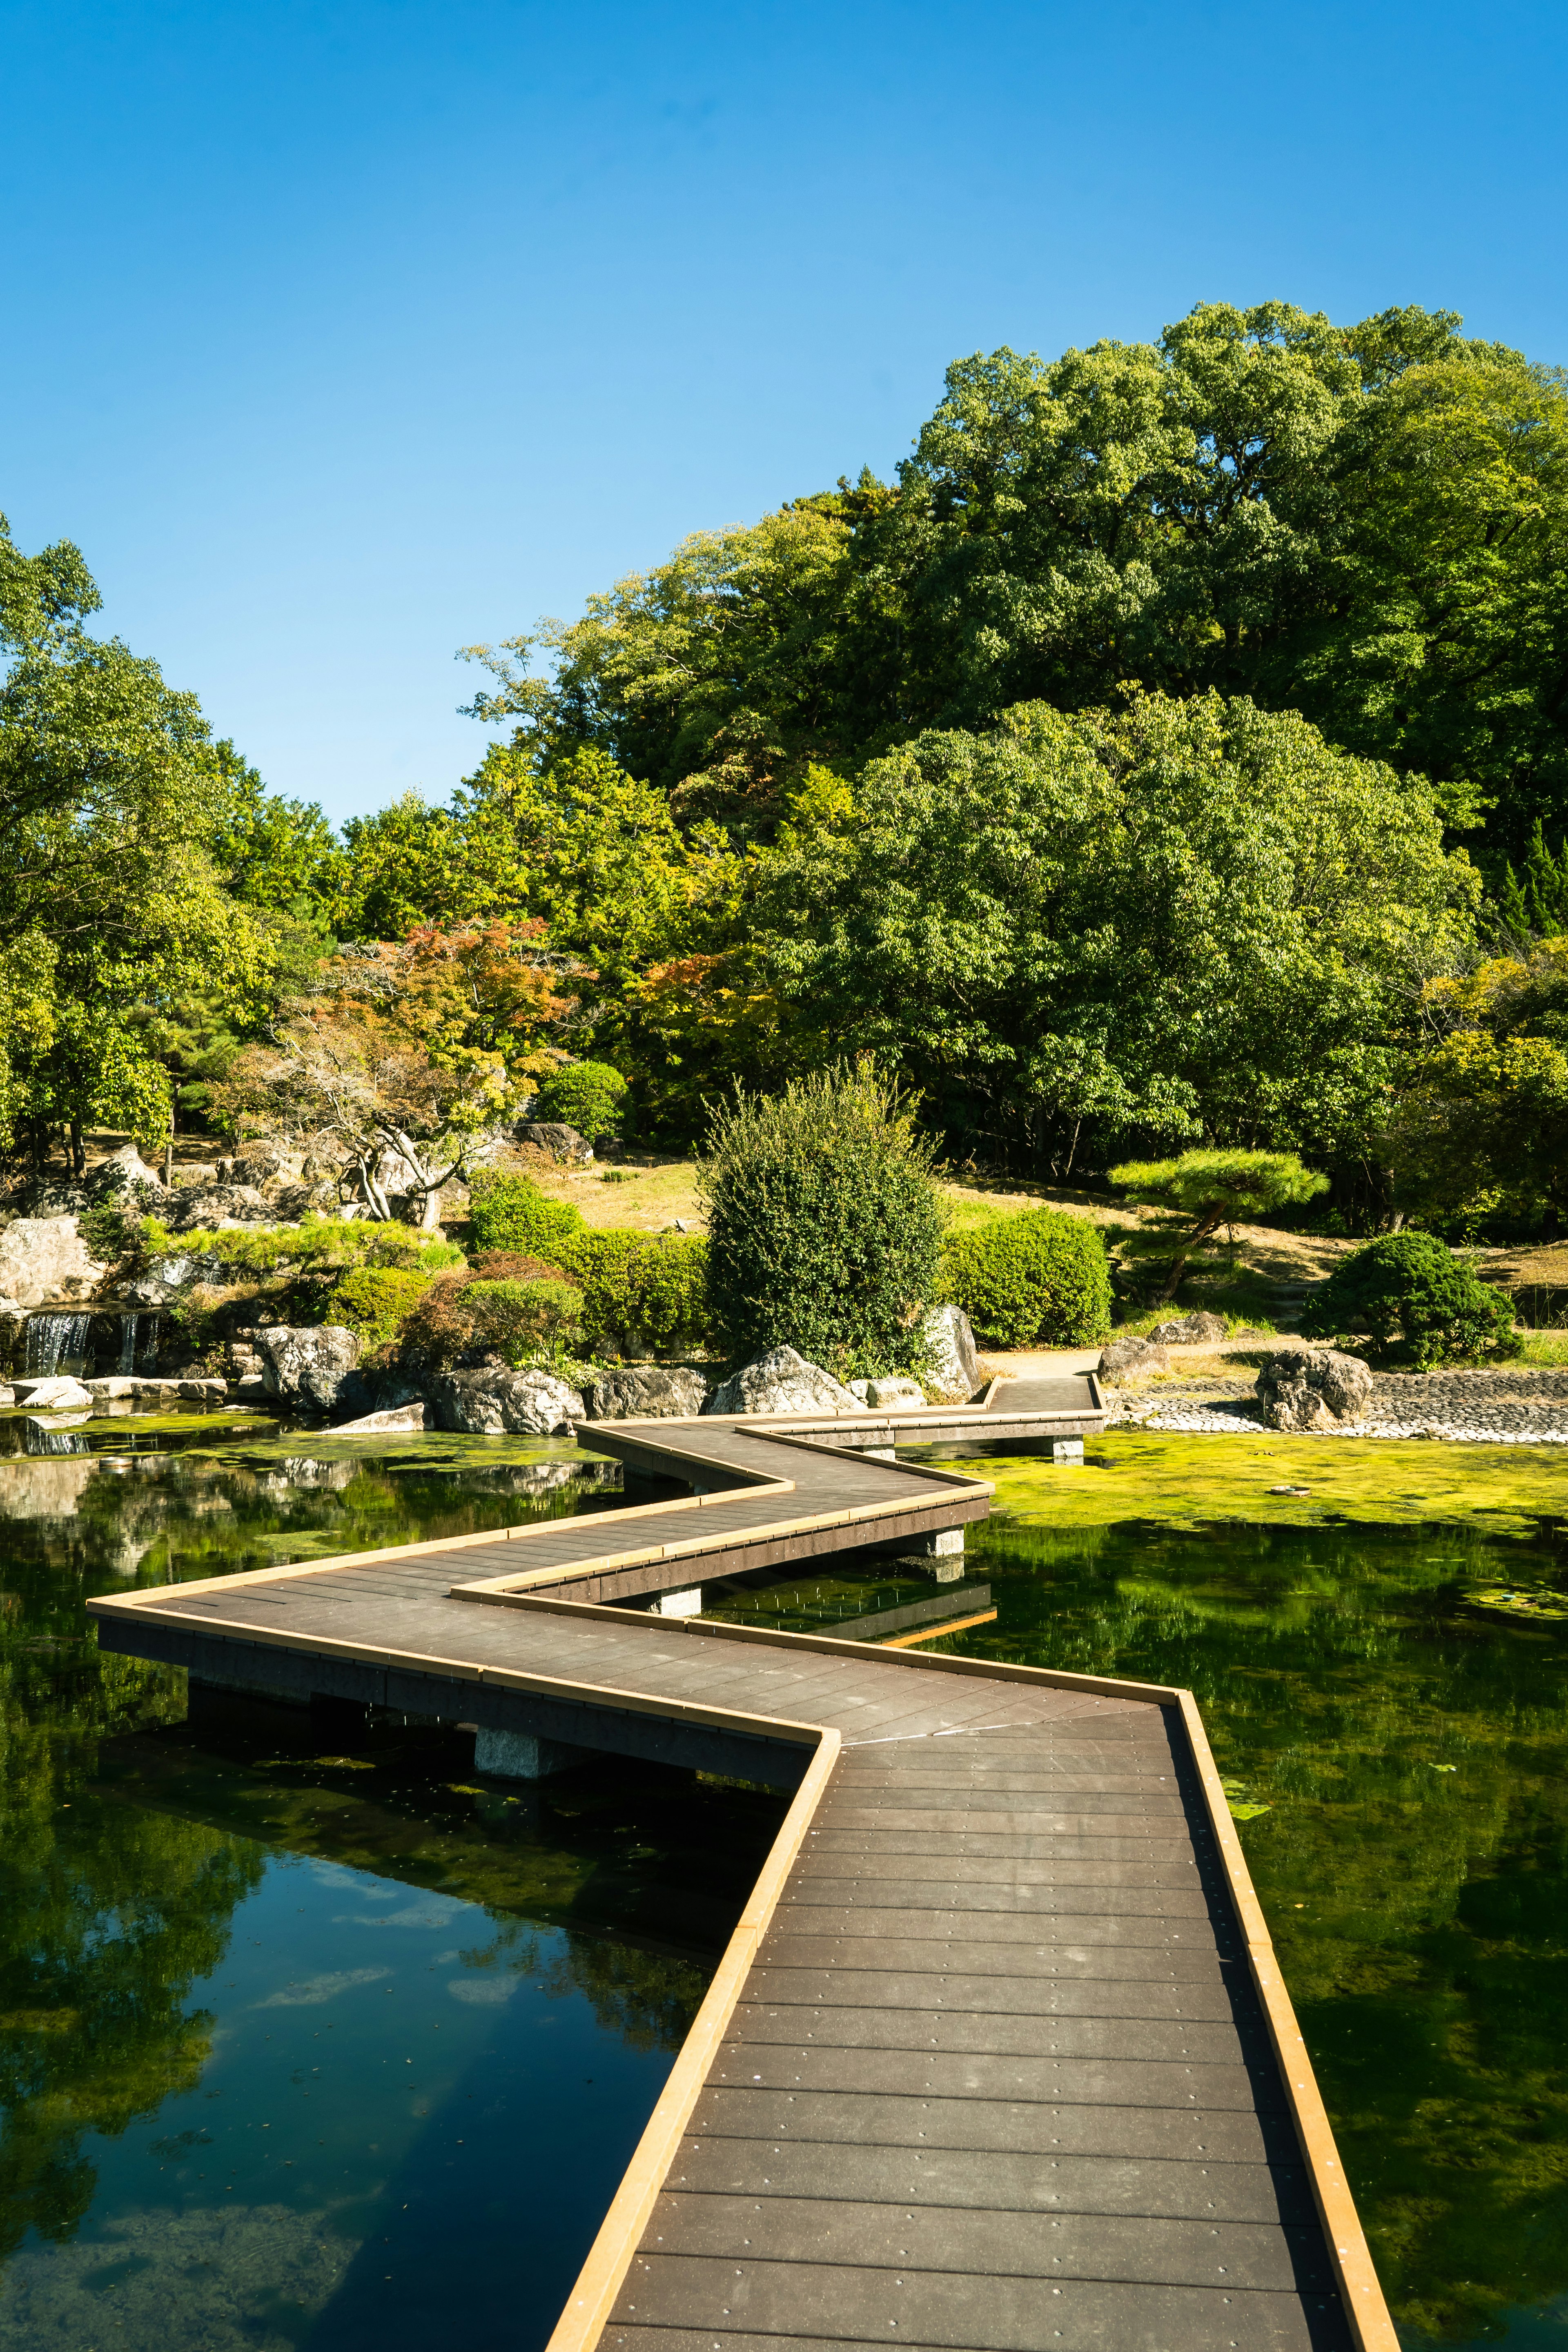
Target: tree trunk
column 78, row 1148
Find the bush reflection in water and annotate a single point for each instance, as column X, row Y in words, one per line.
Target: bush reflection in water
column 308, row 2036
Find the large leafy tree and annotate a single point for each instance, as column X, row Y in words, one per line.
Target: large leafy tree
column 1188, row 922
column 111, row 793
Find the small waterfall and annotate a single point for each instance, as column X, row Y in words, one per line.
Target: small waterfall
column 53, row 1340
column 149, row 1343
column 128, row 1342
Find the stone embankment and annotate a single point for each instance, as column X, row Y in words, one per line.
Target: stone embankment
column 1511, row 1405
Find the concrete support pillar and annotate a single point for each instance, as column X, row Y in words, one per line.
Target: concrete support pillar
column 945, row 1551
column 1066, row 1449
column 518, row 1756
column 685, row 1604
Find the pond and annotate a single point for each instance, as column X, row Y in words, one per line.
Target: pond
column 320, row 2040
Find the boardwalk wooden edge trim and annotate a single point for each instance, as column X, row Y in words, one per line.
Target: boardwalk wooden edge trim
column 593, row 2298
column 1359, row 2288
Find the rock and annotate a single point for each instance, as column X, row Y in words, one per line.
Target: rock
column 60, row 1394
column 251, row 1388
column 123, row 1175
column 1188, row 1331
column 9, row 1306
column 646, row 1392
column 292, row 1202
column 110, row 1391
column 396, row 1416
column 200, row 1391
column 782, row 1381
column 218, row 1204
column 258, row 1165
column 305, row 1367
column 44, row 1259
column 1314, row 1388
column 561, row 1141
column 167, row 1278
column 492, row 1403
column 896, row 1395
column 953, row 1373
column 1124, row 1357
column 7, row 1396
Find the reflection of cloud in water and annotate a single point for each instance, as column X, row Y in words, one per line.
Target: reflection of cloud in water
column 323, row 1988
column 414, row 1915
column 250, row 2279
column 483, row 1991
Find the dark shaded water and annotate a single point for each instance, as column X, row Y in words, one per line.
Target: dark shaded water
column 310, row 2038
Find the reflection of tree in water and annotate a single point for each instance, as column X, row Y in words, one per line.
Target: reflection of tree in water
column 650, row 1998
column 108, row 1916
column 1419, row 1913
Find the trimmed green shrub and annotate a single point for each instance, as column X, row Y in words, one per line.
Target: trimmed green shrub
column 1039, row 1277
column 1417, row 1303
column 373, row 1300
column 642, row 1294
column 510, row 1212
column 522, row 1321
column 589, row 1096
column 824, row 1225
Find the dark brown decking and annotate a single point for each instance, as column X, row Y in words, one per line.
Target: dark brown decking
column 998, row 2056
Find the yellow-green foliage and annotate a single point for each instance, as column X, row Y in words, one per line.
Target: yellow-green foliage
column 1501, row 1490
column 640, row 1293
column 1025, row 1280
column 373, row 1299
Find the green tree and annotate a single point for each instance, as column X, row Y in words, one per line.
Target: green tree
column 1189, row 921
column 824, row 1224
column 1417, row 1303
column 1203, row 1190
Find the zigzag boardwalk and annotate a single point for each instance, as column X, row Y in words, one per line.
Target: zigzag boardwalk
column 998, row 2056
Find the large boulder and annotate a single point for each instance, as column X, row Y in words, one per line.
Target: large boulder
column 305, row 1367
column 121, row 1176
column 59, row 1393
column 646, row 1392
column 1125, row 1360
column 212, row 1205
column 496, row 1403
column 562, row 1142
column 782, row 1381
column 894, row 1396
column 1314, row 1388
column 167, row 1278
column 44, row 1261
column 953, row 1373
column 395, row 1417
column 1189, row 1332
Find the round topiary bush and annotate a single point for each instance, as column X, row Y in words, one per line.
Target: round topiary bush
column 509, row 1213
column 589, row 1096
column 1038, row 1278
column 1414, row 1302
column 824, row 1225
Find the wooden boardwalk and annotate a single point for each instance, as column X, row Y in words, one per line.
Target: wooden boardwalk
column 998, row 2055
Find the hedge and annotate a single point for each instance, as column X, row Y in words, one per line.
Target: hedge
column 510, row 1212
column 1025, row 1281
column 1417, row 1303
column 589, row 1096
column 642, row 1294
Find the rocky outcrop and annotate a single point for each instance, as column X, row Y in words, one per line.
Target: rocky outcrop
column 953, row 1372
column 1189, row 1332
column 894, row 1396
column 305, row 1368
column 122, row 1175
column 44, row 1262
column 167, row 1278
column 646, row 1392
column 493, row 1403
column 1124, row 1359
column 782, row 1381
column 155, row 1395
column 1314, row 1388
column 553, row 1136
column 212, row 1206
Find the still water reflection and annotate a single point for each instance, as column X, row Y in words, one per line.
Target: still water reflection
column 310, row 2038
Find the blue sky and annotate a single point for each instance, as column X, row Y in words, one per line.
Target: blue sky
column 344, row 335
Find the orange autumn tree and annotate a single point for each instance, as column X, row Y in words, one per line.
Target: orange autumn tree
column 409, row 1058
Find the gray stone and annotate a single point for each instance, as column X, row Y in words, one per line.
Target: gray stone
column 217, row 1204
column 305, row 1367
column 44, row 1261
column 7, row 1396
column 1189, row 1332
column 167, row 1278
column 646, row 1392
column 1314, row 1388
column 395, row 1417
column 894, row 1394
column 251, row 1388
column 122, row 1175
column 779, row 1383
column 1124, row 1359
column 553, row 1136
column 58, row 1395
column 498, row 1402
column 953, row 1373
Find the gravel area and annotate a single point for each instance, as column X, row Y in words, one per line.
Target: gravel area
column 1511, row 1406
